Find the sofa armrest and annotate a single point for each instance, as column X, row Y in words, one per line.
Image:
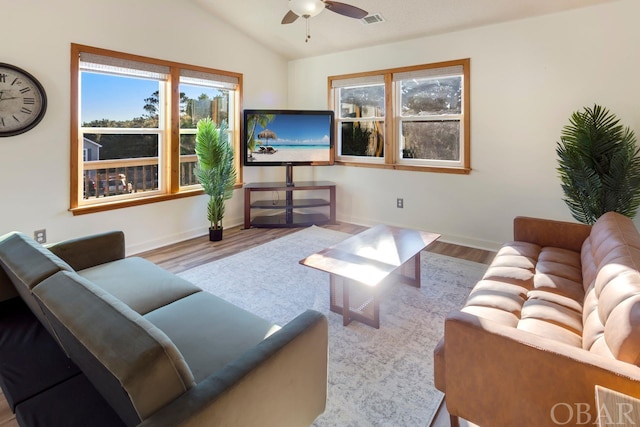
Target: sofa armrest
column 89, row 251
column 281, row 382
column 501, row 376
column 547, row 232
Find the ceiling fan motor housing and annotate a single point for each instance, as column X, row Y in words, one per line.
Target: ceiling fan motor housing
column 306, row 8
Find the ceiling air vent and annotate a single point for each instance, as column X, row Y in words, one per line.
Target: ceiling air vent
column 372, row 19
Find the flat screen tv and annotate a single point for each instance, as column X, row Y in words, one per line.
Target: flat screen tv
column 288, row 137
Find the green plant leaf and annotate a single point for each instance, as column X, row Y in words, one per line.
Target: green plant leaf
column 599, row 165
column 215, row 169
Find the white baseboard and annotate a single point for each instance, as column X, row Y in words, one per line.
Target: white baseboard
column 175, row 238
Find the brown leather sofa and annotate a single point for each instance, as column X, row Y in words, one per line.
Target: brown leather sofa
column 556, row 313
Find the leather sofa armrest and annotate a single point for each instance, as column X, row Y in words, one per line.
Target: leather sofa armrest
column 501, row 376
column 547, row 232
column 89, row 251
column 281, row 382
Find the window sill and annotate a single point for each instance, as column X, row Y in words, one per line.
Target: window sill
column 108, row 206
column 457, row 171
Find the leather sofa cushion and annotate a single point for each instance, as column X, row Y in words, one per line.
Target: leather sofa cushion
column 560, row 262
column 613, row 237
column 503, row 296
column 130, row 361
column 532, row 288
column 139, row 283
column 492, row 313
column 553, row 284
column 209, row 331
column 622, row 331
column 547, row 311
column 514, row 263
column 544, row 328
column 611, row 315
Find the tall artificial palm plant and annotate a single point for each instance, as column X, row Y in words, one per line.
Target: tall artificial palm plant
column 599, row 165
column 215, row 169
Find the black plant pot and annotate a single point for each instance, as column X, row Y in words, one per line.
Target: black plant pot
column 215, row 235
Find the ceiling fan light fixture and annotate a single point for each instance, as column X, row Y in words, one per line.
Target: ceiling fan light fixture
column 306, row 8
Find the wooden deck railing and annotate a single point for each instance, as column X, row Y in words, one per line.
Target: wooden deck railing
column 103, row 178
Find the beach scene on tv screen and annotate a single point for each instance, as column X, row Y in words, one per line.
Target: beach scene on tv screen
column 288, row 137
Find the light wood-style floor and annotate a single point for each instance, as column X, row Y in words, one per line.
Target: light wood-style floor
column 190, row 253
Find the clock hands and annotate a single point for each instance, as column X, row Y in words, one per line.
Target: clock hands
column 4, row 99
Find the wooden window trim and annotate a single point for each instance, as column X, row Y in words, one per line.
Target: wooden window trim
column 391, row 121
column 172, row 148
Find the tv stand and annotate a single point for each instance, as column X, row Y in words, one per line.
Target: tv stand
column 289, row 175
column 287, row 217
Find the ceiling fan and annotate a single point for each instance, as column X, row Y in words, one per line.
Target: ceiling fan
column 310, row 8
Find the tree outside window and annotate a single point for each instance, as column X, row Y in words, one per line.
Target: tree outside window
column 135, row 143
column 429, row 107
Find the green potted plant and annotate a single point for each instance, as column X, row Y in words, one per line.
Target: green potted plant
column 599, row 165
column 215, row 171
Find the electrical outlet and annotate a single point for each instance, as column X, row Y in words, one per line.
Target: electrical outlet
column 400, row 203
column 40, row 236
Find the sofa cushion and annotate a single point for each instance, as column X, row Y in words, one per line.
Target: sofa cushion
column 72, row 403
column 503, row 296
column 27, row 263
column 622, row 331
column 613, row 237
column 139, row 283
column 132, row 363
column 550, row 283
column 561, row 263
column 24, row 373
column 611, row 259
column 548, row 311
column 514, row 263
column 209, row 331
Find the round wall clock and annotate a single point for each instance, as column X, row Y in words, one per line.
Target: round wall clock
column 23, row 101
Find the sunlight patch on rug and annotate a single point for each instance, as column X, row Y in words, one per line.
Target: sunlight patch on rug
column 377, row 377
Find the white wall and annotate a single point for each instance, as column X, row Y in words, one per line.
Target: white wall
column 34, row 166
column 527, row 77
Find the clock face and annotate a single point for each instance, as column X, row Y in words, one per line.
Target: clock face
column 23, row 101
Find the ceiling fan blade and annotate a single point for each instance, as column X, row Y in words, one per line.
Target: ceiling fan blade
column 289, row 17
column 345, row 9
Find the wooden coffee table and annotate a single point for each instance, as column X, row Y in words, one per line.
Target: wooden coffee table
column 359, row 265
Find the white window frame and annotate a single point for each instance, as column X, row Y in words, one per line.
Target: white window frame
column 426, row 74
column 337, row 86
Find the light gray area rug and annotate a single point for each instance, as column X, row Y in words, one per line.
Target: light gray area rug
column 377, row 377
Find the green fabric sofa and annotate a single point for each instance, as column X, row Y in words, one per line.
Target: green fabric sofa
column 158, row 350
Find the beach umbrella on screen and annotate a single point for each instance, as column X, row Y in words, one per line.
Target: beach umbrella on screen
column 267, row 134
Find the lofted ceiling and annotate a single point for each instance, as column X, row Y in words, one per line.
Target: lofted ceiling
column 403, row 19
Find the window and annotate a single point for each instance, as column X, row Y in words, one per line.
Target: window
column 414, row 118
column 201, row 95
column 360, row 115
column 134, row 123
